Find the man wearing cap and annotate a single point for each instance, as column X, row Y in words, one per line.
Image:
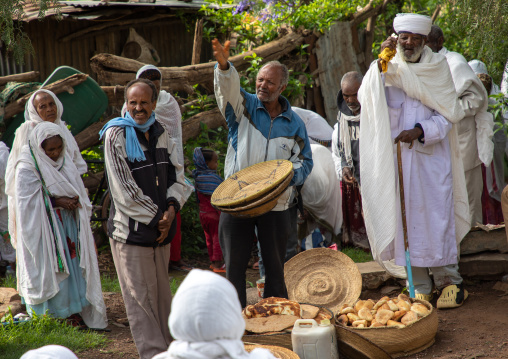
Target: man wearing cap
column 414, row 103
column 475, row 128
column 262, row 127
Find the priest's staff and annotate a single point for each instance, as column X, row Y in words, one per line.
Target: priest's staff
column 404, row 224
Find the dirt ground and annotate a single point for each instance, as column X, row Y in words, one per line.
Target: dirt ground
column 478, row 329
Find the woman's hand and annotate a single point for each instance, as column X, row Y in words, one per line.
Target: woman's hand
column 68, row 202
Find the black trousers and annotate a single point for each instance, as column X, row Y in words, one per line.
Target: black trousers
column 236, row 237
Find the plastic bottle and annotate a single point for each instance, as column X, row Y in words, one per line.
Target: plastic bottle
column 314, row 341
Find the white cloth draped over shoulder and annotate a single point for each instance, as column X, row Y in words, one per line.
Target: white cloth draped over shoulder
column 473, row 99
column 37, row 269
column 429, row 82
column 318, row 130
column 22, row 134
column 321, row 193
column 206, row 321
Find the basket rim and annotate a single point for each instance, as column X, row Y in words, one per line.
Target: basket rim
column 251, row 168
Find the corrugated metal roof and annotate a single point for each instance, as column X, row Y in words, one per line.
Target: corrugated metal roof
column 71, row 8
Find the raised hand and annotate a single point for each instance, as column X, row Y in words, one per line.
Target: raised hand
column 221, row 53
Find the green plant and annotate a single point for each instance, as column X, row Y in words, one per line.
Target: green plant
column 8, row 282
column 16, row 339
column 174, row 284
column 110, row 283
column 357, row 255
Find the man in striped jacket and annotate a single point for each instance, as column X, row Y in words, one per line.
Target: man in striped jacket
column 146, row 183
column 262, row 127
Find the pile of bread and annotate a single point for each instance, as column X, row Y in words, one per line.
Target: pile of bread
column 386, row 312
column 273, row 314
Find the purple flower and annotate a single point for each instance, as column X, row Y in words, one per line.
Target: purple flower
column 243, row 6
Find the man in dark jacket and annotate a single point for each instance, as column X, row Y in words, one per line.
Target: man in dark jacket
column 346, row 155
column 146, row 184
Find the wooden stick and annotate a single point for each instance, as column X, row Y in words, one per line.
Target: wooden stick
column 24, row 77
column 436, row 13
column 57, row 87
column 198, row 40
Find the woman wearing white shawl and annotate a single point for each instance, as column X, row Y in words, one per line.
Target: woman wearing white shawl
column 32, row 118
column 57, row 265
column 206, row 321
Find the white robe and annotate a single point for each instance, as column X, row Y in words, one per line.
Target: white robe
column 427, row 173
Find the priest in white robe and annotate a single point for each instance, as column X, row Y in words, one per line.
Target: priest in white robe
column 473, row 99
column 414, row 102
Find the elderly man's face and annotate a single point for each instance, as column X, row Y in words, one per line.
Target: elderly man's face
column 350, row 95
column 268, row 84
column 411, row 45
column 139, row 102
column 45, row 106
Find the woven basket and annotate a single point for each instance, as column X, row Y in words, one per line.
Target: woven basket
column 282, row 339
column 400, row 342
column 251, row 183
column 259, row 206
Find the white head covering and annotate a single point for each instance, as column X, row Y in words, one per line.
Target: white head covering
column 478, row 67
column 50, row 352
column 206, row 320
column 413, row 23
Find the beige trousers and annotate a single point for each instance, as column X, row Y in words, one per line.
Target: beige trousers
column 474, row 184
column 143, row 276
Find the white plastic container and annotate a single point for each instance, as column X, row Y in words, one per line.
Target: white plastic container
column 314, row 341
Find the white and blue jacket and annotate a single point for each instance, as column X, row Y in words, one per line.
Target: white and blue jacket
column 253, row 137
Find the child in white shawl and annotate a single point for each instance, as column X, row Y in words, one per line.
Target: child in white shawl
column 57, row 267
column 43, row 106
column 206, row 321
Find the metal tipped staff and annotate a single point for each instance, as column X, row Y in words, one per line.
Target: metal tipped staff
column 404, row 224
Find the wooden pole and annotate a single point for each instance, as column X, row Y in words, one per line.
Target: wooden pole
column 24, row 77
column 198, row 40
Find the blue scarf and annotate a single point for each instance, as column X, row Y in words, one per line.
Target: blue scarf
column 205, row 179
column 132, row 146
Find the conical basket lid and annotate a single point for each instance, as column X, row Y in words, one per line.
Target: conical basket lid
column 251, row 183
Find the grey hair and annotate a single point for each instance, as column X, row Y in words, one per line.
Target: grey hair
column 351, row 76
column 155, row 93
column 435, row 33
column 283, row 69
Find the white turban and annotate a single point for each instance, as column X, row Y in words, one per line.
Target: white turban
column 478, row 67
column 413, row 23
column 206, row 321
column 50, row 352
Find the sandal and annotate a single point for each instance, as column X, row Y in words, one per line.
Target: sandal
column 222, row 269
column 427, row 297
column 452, row 296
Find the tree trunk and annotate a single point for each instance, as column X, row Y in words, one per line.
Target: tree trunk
column 57, row 87
column 112, row 69
column 24, row 77
column 192, row 126
column 116, row 94
column 198, row 41
column 89, row 136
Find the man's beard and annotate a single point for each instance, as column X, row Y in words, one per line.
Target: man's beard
column 354, row 109
column 416, row 55
column 272, row 97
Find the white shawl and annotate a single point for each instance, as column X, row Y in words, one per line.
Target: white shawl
column 32, row 118
column 465, row 80
column 345, row 137
column 37, row 244
column 430, row 82
column 321, row 191
column 206, row 321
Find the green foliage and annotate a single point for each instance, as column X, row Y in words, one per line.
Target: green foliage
column 110, row 284
column 174, row 284
column 16, row 339
column 499, row 107
column 8, row 282
column 11, row 26
column 357, row 255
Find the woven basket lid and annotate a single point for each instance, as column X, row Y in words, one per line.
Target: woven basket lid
column 323, row 276
column 278, row 352
column 261, row 205
column 251, row 183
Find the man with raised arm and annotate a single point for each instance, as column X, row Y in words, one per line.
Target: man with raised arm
column 262, row 127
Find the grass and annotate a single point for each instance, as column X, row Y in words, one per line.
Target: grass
column 8, row 282
column 16, row 339
column 175, row 283
column 357, row 255
column 110, row 284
